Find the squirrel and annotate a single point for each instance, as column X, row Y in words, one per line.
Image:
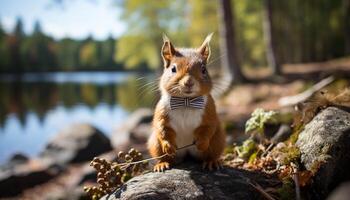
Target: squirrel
column 186, row 113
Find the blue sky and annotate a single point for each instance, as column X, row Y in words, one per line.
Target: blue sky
column 74, row 18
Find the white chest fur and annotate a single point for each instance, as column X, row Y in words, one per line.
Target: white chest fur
column 184, row 121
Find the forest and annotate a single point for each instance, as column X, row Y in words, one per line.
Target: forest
column 39, row 52
column 294, row 31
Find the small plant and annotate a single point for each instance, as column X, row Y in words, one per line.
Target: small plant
column 257, row 121
column 246, row 149
column 111, row 175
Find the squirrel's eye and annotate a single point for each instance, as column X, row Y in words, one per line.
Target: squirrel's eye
column 173, row 69
column 204, row 70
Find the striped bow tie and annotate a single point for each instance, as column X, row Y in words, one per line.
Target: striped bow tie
column 178, row 102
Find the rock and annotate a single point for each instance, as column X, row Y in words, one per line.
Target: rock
column 135, row 130
column 77, row 143
column 189, row 181
column 16, row 180
column 19, row 158
column 71, row 194
column 16, row 159
column 324, row 146
column 340, row 193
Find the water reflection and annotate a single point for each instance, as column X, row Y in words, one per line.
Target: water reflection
column 33, row 111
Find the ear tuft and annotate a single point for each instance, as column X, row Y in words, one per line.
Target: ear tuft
column 204, row 49
column 208, row 38
column 168, row 50
column 165, row 38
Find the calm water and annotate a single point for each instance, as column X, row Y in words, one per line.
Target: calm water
column 38, row 106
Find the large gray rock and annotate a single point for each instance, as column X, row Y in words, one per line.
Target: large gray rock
column 77, row 143
column 191, row 182
column 325, row 145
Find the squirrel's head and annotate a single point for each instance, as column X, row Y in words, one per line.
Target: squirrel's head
column 185, row 73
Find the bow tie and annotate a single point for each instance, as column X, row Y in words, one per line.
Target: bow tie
column 178, row 102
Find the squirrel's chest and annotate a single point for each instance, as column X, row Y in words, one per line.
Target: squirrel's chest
column 184, row 121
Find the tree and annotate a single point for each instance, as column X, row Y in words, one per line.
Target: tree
column 201, row 13
column 347, row 26
column 229, row 61
column 89, row 55
column 37, row 52
column 147, row 21
column 272, row 60
column 4, row 57
column 68, row 54
column 18, row 31
column 13, row 45
column 107, row 53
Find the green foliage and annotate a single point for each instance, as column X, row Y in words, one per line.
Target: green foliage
column 246, row 149
column 310, row 30
column 292, row 154
column 133, row 51
column 89, row 54
column 185, row 22
column 38, row 52
column 229, row 149
column 257, row 121
column 302, row 31
column 249, row 23
column 147, row 21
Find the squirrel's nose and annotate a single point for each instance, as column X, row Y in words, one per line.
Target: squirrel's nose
column 189, row 83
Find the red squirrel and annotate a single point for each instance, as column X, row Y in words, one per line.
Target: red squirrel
column 186, row 113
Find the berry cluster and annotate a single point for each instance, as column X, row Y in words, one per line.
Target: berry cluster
column 111, row 175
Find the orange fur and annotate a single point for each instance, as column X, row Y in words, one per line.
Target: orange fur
column 208, row 135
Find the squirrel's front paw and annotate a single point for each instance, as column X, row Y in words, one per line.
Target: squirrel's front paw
column 160, row 167
column 212, row 164
column 168, row 148
column 202, row 145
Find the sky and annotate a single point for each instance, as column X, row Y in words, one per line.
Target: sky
column 73, row 18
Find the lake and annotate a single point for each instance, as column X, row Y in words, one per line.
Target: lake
column 36, row 106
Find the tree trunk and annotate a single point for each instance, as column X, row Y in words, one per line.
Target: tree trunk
column 269, row 39
column 228, row 49
column 347, row 26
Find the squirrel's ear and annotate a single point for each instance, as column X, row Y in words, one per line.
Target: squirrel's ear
column 204, row 49
column 168, row 50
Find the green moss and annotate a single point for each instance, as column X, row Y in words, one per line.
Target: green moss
column 246, row 149
column 292, row 154
column 229, row 149
column 252, row 157
column 126, row 177
column 294, row 137
column 286, row 192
